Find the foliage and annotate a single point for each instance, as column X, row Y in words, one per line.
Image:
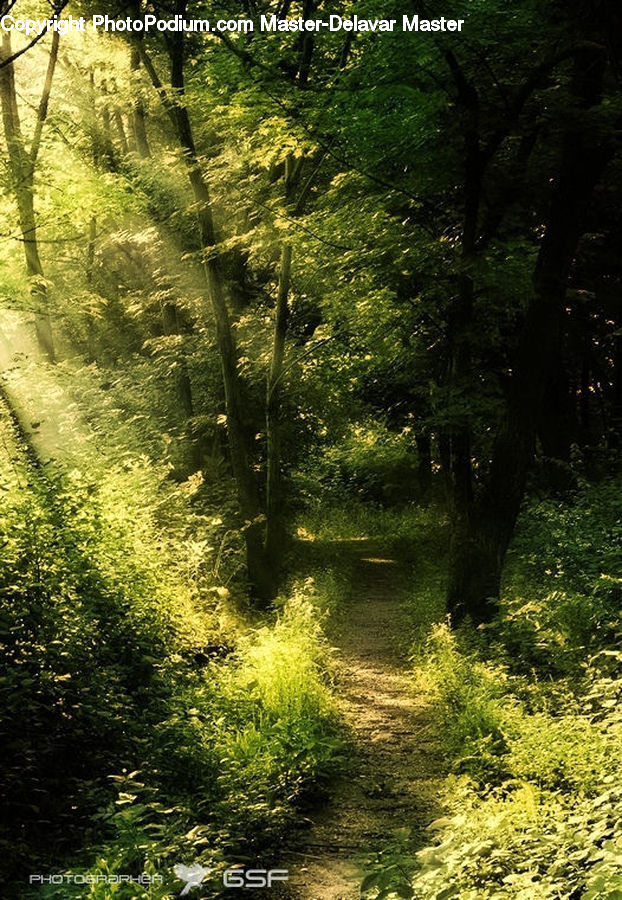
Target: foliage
column 390, row 872
column 325, row 522
column 562, row 604
column 101, row 636
column 373, row 464
column 521, row 842
column 417, row 180
column 468, row 693
column 241, row 742
column 86, row 626
column 531, row 730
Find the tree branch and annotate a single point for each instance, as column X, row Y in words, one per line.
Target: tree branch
column 45, row 99
column 6, row 61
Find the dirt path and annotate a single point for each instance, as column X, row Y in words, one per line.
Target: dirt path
column 396, row 772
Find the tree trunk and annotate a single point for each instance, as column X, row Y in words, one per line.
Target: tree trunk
column 424, row 465
column 614, row 429
column 34, row 268
column 139, row 125
column 88, row 273
column 239, row 435
column 22, row 164
column 275, row 530
column 107, row 146
column 460, row 329
column 444, row 460
column 585, row 415
column 307, row 45
column 556, row 424
column 183, row 386
column 476, row 574
column 475, row 567
column 118, row 121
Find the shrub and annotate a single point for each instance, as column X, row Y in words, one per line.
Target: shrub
column 241, row 743
column 562, row 588
column 529, row 709
column 468, row 701
column 521, row 842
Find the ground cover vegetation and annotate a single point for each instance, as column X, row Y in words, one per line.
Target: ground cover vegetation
column 262, row 295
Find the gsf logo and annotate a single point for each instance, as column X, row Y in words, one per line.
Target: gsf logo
column 253, row 878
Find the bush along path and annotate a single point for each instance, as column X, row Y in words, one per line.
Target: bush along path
column 377, row 813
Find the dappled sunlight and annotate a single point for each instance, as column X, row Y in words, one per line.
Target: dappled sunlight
column 50, row 417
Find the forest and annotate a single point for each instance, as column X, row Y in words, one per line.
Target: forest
column 311, row 452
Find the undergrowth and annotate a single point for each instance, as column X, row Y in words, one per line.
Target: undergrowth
column 528, row 713
column 242, row 743
column 148, row 721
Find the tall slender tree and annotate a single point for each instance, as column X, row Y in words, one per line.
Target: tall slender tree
column 22, row 166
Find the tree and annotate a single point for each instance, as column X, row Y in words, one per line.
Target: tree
column 22, row 167
column 260, row 572
column 483, row 525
